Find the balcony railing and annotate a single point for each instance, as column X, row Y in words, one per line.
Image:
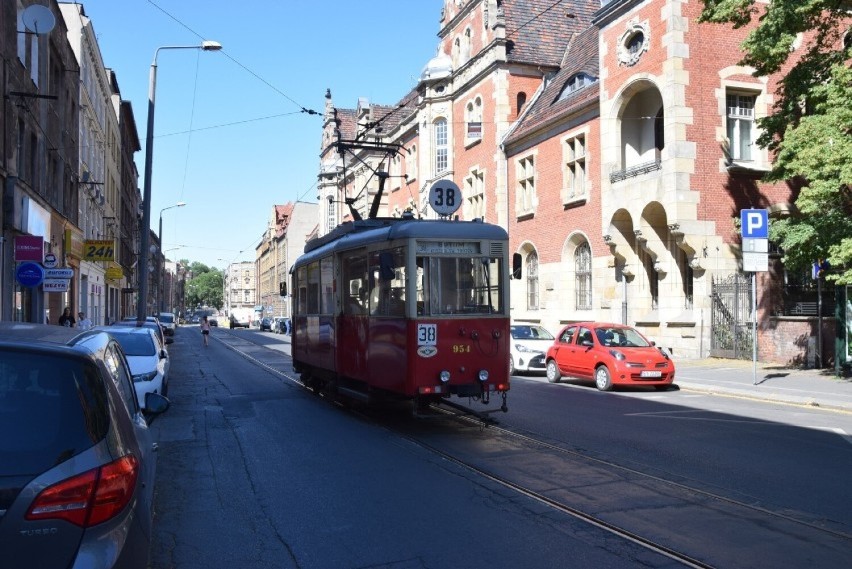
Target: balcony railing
column 634, row 171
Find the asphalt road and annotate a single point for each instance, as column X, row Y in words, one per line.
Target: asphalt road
column 255, row 471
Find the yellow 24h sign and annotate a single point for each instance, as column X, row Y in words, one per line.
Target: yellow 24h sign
column 99, row 250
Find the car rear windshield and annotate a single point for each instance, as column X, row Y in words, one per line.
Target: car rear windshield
column 52, row 407
column 136, row 344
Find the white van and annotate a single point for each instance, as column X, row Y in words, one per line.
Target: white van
column 169, row 323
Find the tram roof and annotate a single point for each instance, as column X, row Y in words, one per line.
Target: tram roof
column 354, row 234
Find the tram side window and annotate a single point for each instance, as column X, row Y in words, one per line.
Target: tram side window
column 387, row 282
column 302, row 290
column 450, row 285
column 354, row 268
column 313, row 288
column 327, row 284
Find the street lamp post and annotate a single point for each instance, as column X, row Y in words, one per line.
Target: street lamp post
column 162, row 269
column 145, row 237
column 225, row 299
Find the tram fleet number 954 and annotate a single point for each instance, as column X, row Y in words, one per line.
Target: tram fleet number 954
column 405, row 308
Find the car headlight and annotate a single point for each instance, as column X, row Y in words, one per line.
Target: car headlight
column 522, row 348
column 149, row 376
column 617, row 355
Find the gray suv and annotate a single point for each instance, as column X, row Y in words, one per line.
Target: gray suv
column 77, row 459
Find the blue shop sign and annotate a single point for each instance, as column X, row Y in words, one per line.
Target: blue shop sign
column 29, row 274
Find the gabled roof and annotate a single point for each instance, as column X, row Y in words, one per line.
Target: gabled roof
column 347, row 123
column 283, row 215
column 538, row 30
column 581, row 56
column 392, row 116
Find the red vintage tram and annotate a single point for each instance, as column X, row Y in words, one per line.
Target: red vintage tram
column 404, row 308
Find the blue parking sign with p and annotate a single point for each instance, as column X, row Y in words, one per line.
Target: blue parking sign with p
column 755, row 223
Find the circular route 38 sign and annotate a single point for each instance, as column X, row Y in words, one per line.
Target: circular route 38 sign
column 445, row 197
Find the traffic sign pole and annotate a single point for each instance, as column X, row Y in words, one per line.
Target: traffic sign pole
column 754, row 224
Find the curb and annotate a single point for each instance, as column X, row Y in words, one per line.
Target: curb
column 809, row 403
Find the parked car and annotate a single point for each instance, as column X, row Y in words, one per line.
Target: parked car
column 169, row 323
column 279, row 325
column 265, row 324
column 152, row 324
column 77, row 458
column 528, row 348
column 213, row 321
column 609, row 355
column 147, row 357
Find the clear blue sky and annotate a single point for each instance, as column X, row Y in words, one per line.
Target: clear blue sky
column 230, row 139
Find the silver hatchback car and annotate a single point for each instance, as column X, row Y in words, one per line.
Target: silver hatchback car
column 77, row 459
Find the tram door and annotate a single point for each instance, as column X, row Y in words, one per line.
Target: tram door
column 354, row 311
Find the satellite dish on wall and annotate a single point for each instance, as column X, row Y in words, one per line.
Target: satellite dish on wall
column 38, row 19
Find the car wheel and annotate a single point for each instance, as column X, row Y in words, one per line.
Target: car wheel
column 602, row 379
column 511, row 365
column 553, row 375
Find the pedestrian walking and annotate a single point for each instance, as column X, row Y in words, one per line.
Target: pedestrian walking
column 67, row 319
column 205, row 329
column 83, row 323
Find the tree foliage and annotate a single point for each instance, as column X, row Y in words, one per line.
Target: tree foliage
column 205, row 287
column 810, row 127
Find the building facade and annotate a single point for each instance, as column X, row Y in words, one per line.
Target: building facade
column 284, row 241
column 240, row 286
column 40, row 159
column 615, row 140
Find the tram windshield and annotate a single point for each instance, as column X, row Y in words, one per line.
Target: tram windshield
column 451, row 285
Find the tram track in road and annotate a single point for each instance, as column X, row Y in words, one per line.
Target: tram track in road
column 685, row 523
column 650, row 502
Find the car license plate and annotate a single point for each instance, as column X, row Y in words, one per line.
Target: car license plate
column 648, row 373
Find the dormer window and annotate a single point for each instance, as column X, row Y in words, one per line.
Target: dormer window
column 575, row 83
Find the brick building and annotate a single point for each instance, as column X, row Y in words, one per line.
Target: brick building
column 615, row 140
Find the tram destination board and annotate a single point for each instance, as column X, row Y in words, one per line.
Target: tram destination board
column 451, row 247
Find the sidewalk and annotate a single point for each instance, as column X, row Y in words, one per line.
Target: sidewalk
column 774, row 382
column 791, row 385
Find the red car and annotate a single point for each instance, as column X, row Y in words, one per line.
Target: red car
column 608, row 354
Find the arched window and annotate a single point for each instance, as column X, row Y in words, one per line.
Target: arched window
column 520, row 101
column 532, row 280
column 465, row 46
column 440, row 145
column 474, row 119
column 583, row 277
column 411, row 163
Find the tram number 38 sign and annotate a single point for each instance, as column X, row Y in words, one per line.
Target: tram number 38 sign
column 445, row 197
column 427, row 334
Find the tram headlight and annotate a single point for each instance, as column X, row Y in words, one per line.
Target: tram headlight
column 445, row 376
column 483, row 375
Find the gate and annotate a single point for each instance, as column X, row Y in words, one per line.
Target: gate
column 731, row 317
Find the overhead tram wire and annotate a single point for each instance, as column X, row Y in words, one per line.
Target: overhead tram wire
column 302, row 109
column 191, row 119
